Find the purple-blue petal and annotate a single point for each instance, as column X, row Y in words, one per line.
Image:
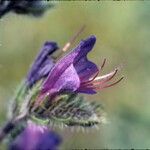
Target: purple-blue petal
column 42, row 64
column 78, row 59
column 86, row 91
column 84, row 67
column 35, row 137
column 69, row 80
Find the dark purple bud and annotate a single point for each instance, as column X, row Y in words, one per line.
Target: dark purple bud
column 42, row 64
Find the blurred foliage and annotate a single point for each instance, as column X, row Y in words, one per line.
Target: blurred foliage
column 122, row 30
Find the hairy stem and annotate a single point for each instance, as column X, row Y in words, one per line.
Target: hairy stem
column 9, row 126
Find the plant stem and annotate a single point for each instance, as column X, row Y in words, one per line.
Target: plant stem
column 10, row 125
column 6, row 129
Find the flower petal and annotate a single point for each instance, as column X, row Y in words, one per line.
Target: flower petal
column 42, row 64
column 86, row 90
column 86, row 69
column 36, row 137
column 77, row 57
column 69, row 80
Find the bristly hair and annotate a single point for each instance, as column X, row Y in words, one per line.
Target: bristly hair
column 68, row 109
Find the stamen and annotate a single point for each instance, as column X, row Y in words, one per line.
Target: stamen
column 106, row 77
column 114, row 83
column 103, row 64
column 66, row 47
column 72, row 40
column 100, row 80
column 100, row 85
column 59, row 53
column 68, row 44
column 106, row 86
column 90, row 80
column 94, row 77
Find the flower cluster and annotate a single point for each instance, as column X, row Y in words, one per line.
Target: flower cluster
column 50, row 94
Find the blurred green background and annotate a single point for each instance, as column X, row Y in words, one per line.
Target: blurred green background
column 122, row 31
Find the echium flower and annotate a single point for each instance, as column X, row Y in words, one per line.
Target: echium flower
column 75, row 73
column 58, row 98
column 51, row 93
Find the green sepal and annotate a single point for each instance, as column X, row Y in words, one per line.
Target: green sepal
column 68, row 109
column 23, row 97
column 39, row 121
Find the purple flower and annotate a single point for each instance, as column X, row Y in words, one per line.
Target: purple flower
column 75, row 73
column 36, row 137
column 42, row 64
column 28, row 7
